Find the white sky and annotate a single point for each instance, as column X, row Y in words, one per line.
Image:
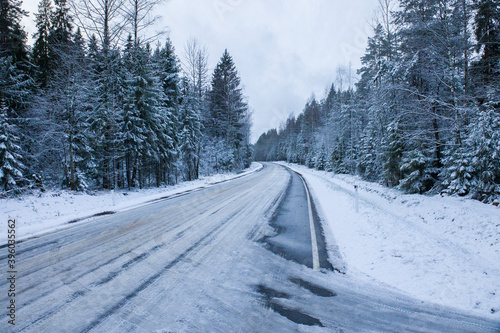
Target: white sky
column 284, row 50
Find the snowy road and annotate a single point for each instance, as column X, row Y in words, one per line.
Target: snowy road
column 197, row 263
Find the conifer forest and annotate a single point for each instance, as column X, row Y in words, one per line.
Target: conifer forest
column 424, row 115
column 97, row 102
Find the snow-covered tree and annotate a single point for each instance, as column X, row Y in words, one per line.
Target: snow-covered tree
column 12, row 35
column 71, row 96
column 168, row 71
column 487, row 32
column 483, row 146
column 41, row 48
column 190, row 132
column 229, row 115
column 11, row 166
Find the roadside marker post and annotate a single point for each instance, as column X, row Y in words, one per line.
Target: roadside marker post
column 356, row 197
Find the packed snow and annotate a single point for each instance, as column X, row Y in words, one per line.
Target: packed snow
column 43, row 212
column 436, row 248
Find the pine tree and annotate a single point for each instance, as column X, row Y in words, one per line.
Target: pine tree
column 190, row 136
column 68, row 101
column 320, row 158
column 369, row 164
column 145, row 116
column 61, row 35
column 14, row 77
column 15, row 85
column 73, row 91
column 416, row 170
column 483, row 146
column 103, row 22
column 434, row 51
column 12, row 35
column 11, row 167
column 134, row 136
column 41, row 49
column 229, row 118
column 458, row 171
column 393, row 151
column 107, row 96
column 487, row 31
column 167, row 70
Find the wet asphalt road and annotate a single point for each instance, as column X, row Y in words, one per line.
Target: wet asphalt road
column 292, row 224
column 201, row 262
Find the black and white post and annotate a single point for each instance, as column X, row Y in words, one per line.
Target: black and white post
column 356, row 198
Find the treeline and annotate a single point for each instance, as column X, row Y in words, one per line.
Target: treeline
column 93, row 104
column 425, row 114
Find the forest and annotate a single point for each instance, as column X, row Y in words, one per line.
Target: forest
column 98, row 102
column 424, row 116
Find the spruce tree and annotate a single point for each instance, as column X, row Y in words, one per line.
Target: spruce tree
column 393, row 151
column 190, row 135
column 107, row 96
column 487, row 32
column 483, row 150
column 11, row 167
column 12, row 35
column 133, row 125
column 15, row 81
column 167, row 70
column 41, row 48
column 229, row 119
column 61, row 33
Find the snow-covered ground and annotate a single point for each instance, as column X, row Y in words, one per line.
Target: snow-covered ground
column 441, row 249
column 52, row 210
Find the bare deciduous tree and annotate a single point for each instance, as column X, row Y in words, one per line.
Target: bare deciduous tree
column 106, row 19
column 195, row 65
column 140, row 17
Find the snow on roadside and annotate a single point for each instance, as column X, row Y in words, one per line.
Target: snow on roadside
column 440, row 249
column 52, row 210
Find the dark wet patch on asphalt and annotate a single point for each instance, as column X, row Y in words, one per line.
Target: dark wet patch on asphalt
column 269, row 295
column 290, row 221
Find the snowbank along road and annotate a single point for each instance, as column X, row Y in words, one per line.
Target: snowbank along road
column 238, row 256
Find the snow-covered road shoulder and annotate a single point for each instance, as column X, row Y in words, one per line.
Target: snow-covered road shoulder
column 441, row 249
column 52, row 210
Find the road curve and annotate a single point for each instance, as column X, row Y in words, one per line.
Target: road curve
column 198, row 263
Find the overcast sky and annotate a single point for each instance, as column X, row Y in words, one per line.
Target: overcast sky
column 284, row 50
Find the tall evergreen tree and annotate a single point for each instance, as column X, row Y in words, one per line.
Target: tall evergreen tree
column 229, row 111
column 15, row 91
column 107, row 96
column 487, row 31
column 61, row 33
column 13, row 56
column 133, row 125
column 190, row 132
column 41, row 48
column 73, row 91
column 11, row 166
column 12, row 35
column 168, row 70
